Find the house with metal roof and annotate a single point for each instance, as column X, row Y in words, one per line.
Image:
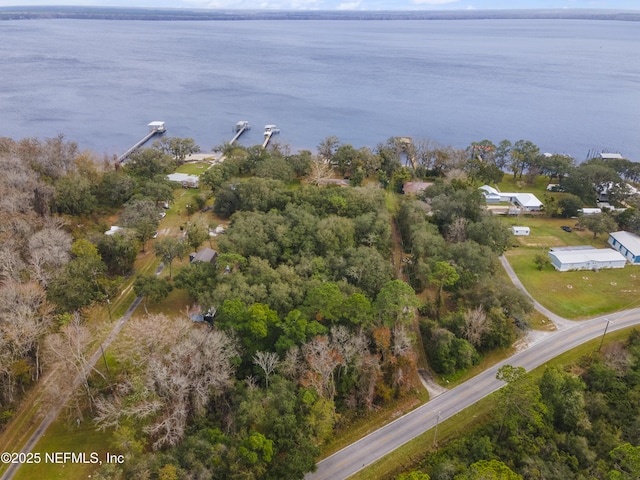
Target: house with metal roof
column 187, row 181
column 585, row 257
column 206, row 255
column 628, row 244
column 525, row 201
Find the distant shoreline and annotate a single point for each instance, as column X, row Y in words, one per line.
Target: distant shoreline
column 150, row 14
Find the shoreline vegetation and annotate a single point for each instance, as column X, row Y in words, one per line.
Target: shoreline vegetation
column 167, row 14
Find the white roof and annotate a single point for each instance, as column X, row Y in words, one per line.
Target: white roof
column 584, row 255
column 489, row 189
column 610, row 156
column 525, row 199
column 183, row 177
column 629, row 240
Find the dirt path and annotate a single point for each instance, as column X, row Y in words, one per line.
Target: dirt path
column 37, row 394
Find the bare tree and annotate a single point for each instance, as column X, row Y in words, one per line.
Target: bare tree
column 321, row 361
column 476, row 324
column 457, row 230
column 174, row 380
column 25, row 316
column 267, row 361
column 68, row 349
column 319, row 171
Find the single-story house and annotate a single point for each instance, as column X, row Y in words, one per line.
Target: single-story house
column 585, row 258
column 628, row 244
column 520, row 231
column 414, row 188
column 526, row 201
column 590, row 211
column 491, row 195
column 206, row 255
column 187, row 181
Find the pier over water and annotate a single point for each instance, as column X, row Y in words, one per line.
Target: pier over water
column 155, row 128
column 269, row 131
column 241, row 127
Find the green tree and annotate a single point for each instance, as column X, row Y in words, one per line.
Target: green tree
column 151, row 288
column 114, row 189
column 198, row 278
column 74, row 195
column 520, row 404
column 541, row 261
column 215, row 177
column 627, row 462
column 570, row 206
column 179, row 147
column 143, row 216
column 598, row 223
column 443, row 275
column 80, row 282
column 488, row 470
column 146, row 163
column 395, row 303
column 119, row 252
column 168, row 249
column 196, row 235
column 563, row 395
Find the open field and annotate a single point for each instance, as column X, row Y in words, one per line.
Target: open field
column 574, row 295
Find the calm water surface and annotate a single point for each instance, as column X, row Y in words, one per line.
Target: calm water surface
column 567, row 85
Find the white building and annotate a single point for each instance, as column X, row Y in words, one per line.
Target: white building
column 520, row 231
column 187, row 181
column 628, row 244
column 585, row 257
column 525, row 201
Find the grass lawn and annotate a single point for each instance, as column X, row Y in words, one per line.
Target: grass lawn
column 577, row 294
column 193, row 168
column 65, row 436
column 508, row 184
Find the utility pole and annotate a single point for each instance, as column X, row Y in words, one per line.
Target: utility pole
column 435, row 434
column 605, row 332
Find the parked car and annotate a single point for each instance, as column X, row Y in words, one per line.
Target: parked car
column 565, row 228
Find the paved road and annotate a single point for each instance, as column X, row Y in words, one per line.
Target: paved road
column 371, row 448
column 53, row 414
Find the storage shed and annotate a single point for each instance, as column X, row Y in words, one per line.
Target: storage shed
column 565, row 259
column 520, row 231
column 628, row 244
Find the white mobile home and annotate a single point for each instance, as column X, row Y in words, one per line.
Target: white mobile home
column 520, row 231
column 565, row 259
column 628, row 244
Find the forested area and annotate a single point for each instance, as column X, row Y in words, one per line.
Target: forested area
column 580, row 422
column 313, row 326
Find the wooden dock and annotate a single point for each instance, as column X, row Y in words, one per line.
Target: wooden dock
column 269, row 131
column 155, row 128
column 241, row 127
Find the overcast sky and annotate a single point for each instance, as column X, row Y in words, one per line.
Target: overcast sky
column 342, row 4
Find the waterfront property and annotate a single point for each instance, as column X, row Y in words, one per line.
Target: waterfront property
column 628, row 244
column 585, row 257
column 187, row 181
column 527, row 202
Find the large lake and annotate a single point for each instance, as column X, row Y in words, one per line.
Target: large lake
column 570, row 86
